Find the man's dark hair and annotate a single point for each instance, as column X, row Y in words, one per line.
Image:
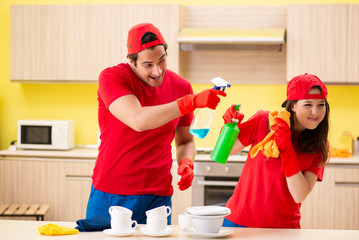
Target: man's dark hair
column 146, row 38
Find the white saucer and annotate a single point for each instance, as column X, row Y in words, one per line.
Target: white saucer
column 166, row 232
column 111, row 232
column 222, row 232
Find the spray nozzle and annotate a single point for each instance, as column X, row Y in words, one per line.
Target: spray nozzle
column 220, row 83
column 237, row 107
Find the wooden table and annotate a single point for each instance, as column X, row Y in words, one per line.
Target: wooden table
column 19, row 230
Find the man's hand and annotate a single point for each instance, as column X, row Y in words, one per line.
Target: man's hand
column 207, row 98
column 185, row 169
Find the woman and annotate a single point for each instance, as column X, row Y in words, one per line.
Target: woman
column 270, row 190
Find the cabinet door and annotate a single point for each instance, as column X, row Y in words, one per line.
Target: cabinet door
column 318, row 209
column 353, row 40
column 58, row 43
column 78, row 186
column 181, row 200
column 317, row 41
column 346, row 197
column 65, row 186
column 33, row 182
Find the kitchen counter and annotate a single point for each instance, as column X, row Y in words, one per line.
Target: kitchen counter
column 91, row 154
column 16, row 230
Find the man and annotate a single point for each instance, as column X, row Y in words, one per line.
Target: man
column 142, row 107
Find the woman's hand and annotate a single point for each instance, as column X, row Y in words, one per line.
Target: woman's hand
column 231, row 113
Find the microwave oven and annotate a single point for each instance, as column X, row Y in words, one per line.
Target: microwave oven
column 45, row 134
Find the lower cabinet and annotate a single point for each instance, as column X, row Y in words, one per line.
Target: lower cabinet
column 181, row 200
column 333, row 203
column 64, row 184
column 346, row 191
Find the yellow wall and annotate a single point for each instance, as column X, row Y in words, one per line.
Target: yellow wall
column 78, row 101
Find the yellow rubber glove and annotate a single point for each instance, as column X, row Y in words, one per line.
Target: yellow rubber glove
column 53, row 229
column 268, row 146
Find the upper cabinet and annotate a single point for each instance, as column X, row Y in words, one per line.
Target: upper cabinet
column 241, row 44
column 74, row 43
column 323, row 40
column 231, row 36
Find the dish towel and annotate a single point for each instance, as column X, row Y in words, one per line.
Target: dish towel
column 53, row 229
column 268, row 146
column 96, row 223
column 337, row 152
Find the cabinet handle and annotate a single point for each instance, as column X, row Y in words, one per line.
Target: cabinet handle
column 217, row 183
column 78, row 177
column 347, row 184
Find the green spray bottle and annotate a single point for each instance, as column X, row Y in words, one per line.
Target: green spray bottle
column 226, row 140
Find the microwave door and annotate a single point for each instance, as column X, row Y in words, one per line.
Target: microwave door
column 36, row 135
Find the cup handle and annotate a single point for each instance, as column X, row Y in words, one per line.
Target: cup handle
column 110, row 210
column 169, row 211
column 134, row 224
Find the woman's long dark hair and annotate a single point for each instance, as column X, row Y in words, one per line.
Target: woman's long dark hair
column 312, row 141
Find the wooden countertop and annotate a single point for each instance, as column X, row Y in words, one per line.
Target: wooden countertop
column 16, row 230
column 91, row 154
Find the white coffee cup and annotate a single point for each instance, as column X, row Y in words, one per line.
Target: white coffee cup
column 156, row 225
column 121, row 221
column 159, row 212
column 184, row 220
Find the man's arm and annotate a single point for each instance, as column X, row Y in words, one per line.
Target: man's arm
column 185, row 146
column 185, row 153
column 129, row 111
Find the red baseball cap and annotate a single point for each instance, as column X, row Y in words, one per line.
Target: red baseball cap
column 298, row 88
column 136, row 33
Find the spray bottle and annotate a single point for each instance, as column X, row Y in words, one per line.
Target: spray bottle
column 226, row 140
column 203, row 119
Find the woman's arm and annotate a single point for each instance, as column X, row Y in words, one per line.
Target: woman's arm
column 301, row 184
column 238, row 146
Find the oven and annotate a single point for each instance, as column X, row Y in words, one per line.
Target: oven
column 214, row 183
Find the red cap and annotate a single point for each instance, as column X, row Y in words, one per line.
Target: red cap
column 298, row 88
column 136, row 33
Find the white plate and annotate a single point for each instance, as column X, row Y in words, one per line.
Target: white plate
column 208, row 216
column 222, row 232
column 166, row 232
column 208, row 210
column 111, row 232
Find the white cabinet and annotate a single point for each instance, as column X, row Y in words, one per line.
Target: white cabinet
column 74, row 43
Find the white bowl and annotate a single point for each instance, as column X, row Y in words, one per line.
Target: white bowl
column 185, row 220
column 207, row 224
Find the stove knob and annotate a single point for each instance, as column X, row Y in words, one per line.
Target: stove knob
column 208, row 169
column 227, row 169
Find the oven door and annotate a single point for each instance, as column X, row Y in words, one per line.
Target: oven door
column 212, row 190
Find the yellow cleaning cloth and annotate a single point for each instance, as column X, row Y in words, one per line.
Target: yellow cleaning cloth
column 53, row 229
column 268, row 146
column 337, row 152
